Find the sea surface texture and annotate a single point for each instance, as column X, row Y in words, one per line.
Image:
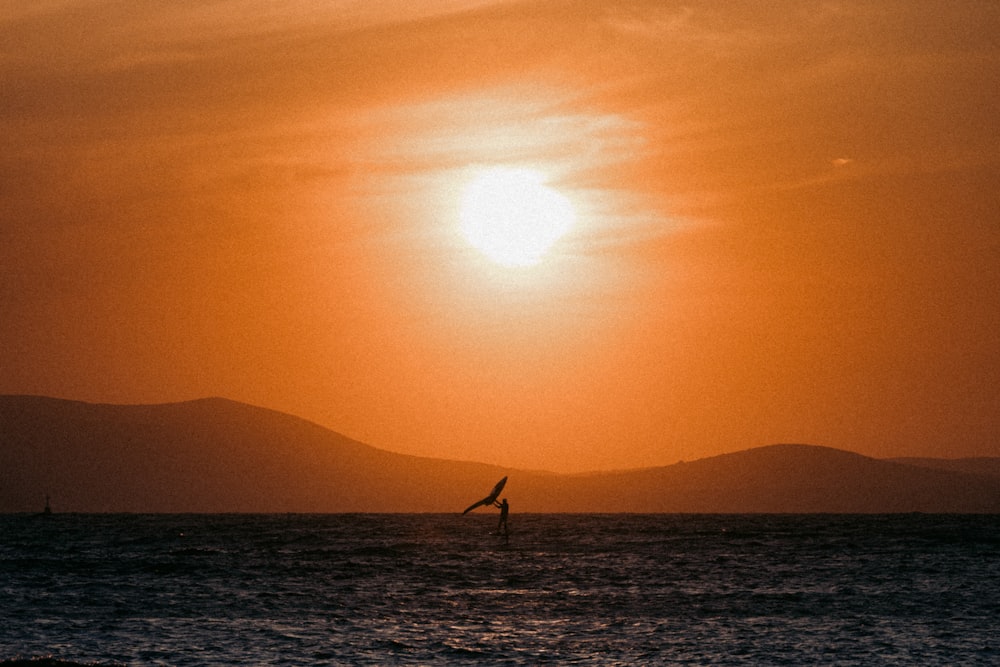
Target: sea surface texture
column 441, row 589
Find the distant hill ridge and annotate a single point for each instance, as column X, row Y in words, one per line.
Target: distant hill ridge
column 217, row 455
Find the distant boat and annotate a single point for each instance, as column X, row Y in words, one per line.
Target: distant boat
column 48, row 508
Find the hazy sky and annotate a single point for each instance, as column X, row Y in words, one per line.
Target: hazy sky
column 787, row 220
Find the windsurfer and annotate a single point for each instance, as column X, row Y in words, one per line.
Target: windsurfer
column 504, row 510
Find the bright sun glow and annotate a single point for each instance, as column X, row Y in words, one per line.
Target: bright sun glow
column 512, row 216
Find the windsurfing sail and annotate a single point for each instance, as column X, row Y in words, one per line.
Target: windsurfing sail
column 488, row 500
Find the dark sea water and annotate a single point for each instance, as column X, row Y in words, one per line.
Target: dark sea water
column 440, row 589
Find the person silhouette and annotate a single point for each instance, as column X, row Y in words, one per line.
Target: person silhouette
column 504, row 510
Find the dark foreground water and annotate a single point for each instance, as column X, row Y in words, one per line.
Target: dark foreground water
column 439, row 589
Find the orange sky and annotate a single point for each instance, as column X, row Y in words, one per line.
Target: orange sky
column 788, row 220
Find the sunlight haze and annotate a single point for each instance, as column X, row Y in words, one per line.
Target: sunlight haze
column 748, row 223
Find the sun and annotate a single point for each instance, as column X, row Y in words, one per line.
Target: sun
column 512, row 216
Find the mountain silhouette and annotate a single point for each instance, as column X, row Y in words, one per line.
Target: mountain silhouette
column 981, row 465
column 217, row 455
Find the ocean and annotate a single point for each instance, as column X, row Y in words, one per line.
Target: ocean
column 420, row 589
